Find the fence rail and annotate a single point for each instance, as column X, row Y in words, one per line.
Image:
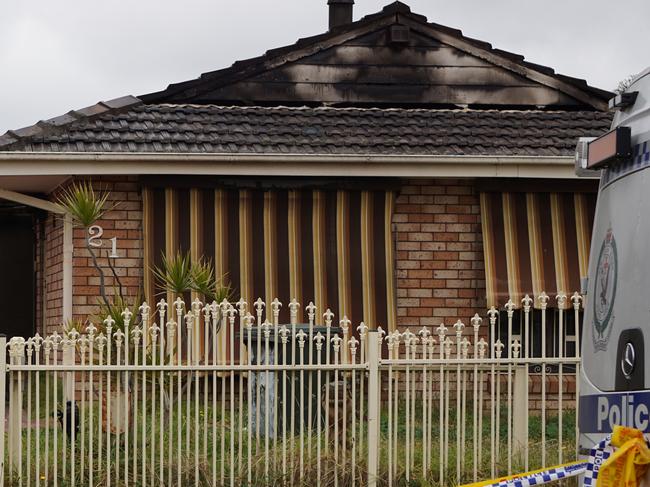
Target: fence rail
column 237, row 398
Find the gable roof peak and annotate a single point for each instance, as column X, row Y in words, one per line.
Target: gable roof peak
column 397, row 7
column 246, row 73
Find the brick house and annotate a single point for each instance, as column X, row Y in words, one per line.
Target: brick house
column 391, row 169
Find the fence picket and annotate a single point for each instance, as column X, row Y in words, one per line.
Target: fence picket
column 170, row 407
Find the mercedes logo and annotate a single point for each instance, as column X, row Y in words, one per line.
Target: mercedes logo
column 627, row 364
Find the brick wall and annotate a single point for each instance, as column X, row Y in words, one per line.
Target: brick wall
column 124, row 221
column 439, row 257
column 439, row 253
column 53, row 274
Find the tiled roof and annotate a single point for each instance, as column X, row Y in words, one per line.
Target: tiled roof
column 164, row 128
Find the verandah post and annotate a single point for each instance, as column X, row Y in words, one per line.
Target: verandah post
column 3, row 385
column 373, row 406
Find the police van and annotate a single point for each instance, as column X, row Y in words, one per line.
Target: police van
column 615, row 375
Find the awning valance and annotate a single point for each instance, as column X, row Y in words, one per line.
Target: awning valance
column 534, row 242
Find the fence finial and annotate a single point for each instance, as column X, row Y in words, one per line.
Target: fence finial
column 493, row 313
column 476, row 321
column 196, row 306
column 336, row 343
column 319, row 339
column 136, row 333
column 144, row 310
column 464, row 346
column 448, row 344
column 576, row 298
column 248, row 321
column 178, row 305
column 353, row 343
column 162, row 308
column 241, row 306
column 498, row 348
column 459, row 326
column 441, row 331
column 284, row 334
column 127, row 314
column 311, row 312
column 344, row 323
column 301, row 338
column 543, row 300
column 328, row 315
column 189, row 320
column 482, row 346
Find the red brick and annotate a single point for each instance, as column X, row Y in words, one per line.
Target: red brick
column 408, row 283
column 433, row 245
column 419, row 312
column 408, row 245
column 420, row 217
column 420, row 236
column 407, row 227
column 446, row 274
column 419, row 293
column 420, row 199
column 420, row 274
column 420, row 255
column 446, row 218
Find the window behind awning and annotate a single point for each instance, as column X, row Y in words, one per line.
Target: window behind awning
column 534, row 242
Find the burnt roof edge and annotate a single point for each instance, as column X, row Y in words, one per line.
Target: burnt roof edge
column 272, row 58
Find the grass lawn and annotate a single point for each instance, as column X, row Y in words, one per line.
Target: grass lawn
column 192, row 457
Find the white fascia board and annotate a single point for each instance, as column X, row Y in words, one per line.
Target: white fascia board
column 410, row 166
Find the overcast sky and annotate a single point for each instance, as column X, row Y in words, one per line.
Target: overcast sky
column 57, row 55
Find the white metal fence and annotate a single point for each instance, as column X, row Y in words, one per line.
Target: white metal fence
column 214, row 395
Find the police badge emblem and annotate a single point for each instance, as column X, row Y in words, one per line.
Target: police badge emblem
column 605, row 291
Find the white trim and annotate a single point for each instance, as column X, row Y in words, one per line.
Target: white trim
column 24, row 199
column 350, row 165
column 68, row 250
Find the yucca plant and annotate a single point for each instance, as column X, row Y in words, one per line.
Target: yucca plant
column 180, row 274
column 175, row 273
column 115, row 307
column 204, row 281
column 82, row 202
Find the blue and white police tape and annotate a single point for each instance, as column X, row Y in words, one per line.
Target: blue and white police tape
column 536, row 477
column 590, row 467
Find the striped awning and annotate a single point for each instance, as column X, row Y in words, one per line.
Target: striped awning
column 534, row 242
column 330, row 246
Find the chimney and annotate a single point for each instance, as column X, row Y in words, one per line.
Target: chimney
column 340, row 12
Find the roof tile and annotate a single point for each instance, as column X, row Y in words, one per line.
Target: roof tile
column 186, row 128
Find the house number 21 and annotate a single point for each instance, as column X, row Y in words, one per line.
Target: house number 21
column 95, row 240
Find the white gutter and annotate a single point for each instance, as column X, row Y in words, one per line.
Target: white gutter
column 51, row 207
column 350, row 165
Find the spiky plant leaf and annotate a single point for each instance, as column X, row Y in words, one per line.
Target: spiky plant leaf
column 84, row 204
column 204, row 281
column 203, row 277
column 115, row 307
column 175, row 273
